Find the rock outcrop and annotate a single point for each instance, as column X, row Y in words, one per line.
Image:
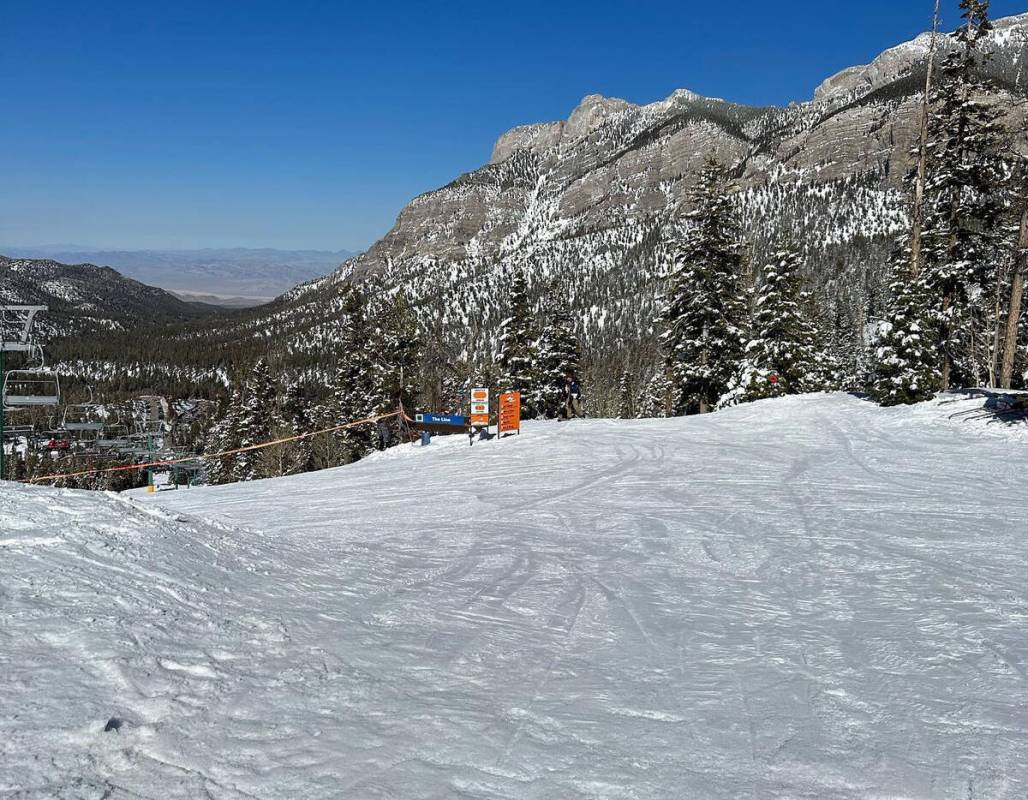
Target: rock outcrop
column 613, row 162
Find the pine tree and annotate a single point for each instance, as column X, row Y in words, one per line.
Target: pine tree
column 626, row 395
column 704, row 312
column 962, row 239
column 257, row 419
column 517, row 360
column 783, row 355
column 224, row 435
column 399, row 357
column 906, row 366
column 298, row 418
column 657, row 398
column 559, row 355
column 357, row 388
column 846, row 355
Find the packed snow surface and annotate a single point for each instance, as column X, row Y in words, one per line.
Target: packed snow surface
column 806, row 598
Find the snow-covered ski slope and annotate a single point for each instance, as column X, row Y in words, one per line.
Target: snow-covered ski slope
column 805, row 598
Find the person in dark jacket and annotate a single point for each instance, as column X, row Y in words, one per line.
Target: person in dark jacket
column 572, row 397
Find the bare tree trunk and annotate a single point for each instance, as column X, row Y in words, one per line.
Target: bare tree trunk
column 917, row 223
column 1014, row 307
column 997, row 310
column 947, row 358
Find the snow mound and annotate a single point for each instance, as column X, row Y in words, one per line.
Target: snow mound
column 810, row 597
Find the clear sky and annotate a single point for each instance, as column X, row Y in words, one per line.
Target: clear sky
column 304, row 124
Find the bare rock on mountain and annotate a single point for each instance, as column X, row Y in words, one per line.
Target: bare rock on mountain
column 591, row 113
column 613, row 163
column 1007, row 43
column 536, row 138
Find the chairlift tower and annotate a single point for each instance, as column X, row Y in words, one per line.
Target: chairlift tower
column 16, row 324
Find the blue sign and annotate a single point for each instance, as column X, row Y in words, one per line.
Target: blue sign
column 441, row 419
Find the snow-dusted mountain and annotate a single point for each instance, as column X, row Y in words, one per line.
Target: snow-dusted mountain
column 810, row 597
column 234, row 274
column 614, row 163
column 85, row 299
column 588, row 205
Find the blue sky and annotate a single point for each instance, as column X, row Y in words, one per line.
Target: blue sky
column 307, row 124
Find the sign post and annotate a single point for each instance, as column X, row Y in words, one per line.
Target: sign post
column 509, row 413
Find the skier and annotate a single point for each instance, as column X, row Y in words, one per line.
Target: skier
column 385, row 436
column 572, row 397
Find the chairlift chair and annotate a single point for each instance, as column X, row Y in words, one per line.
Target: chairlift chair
column 31, row 387
column 115, row 443
column 83, row 417
column 19, row 431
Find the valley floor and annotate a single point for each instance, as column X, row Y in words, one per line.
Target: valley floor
column 805, row 598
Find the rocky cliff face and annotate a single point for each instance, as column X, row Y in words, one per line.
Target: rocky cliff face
column 613, row 162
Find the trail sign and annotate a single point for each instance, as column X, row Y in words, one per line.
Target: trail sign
column 456, row 420
column 510, row 413
column 480, row 407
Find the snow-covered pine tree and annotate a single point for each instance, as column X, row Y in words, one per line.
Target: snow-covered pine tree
column 517, row 359
column 844, row 328
column 626, row 394
column 906, row 366
column 784, row 354
column 224, row 436
column 559, row 354
column 657, row 397
column 963, row 246
column 258, row 417
column 356, row 389
column 704, row 312
column 399, row 357
column 298, row 418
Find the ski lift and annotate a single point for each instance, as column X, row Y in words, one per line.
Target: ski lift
column 16, row 432
column 115, row 437
column 116, row 444
column 83, row 417
column 31, row 387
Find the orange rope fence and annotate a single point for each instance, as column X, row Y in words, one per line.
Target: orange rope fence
column 222, row 454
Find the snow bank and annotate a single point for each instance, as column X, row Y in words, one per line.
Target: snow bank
column 809, row 597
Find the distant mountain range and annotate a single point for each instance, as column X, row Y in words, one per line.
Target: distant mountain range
column 84, row 299
column 234, row 276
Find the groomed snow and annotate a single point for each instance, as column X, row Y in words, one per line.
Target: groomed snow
column 804, row 598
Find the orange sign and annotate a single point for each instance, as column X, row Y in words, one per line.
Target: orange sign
column 480, row 407
column 510, row 413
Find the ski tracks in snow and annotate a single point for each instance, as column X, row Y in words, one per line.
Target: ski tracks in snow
column 808, row 598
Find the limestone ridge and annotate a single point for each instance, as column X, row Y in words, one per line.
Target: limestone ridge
column 1009, row 43
column 612, row 162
